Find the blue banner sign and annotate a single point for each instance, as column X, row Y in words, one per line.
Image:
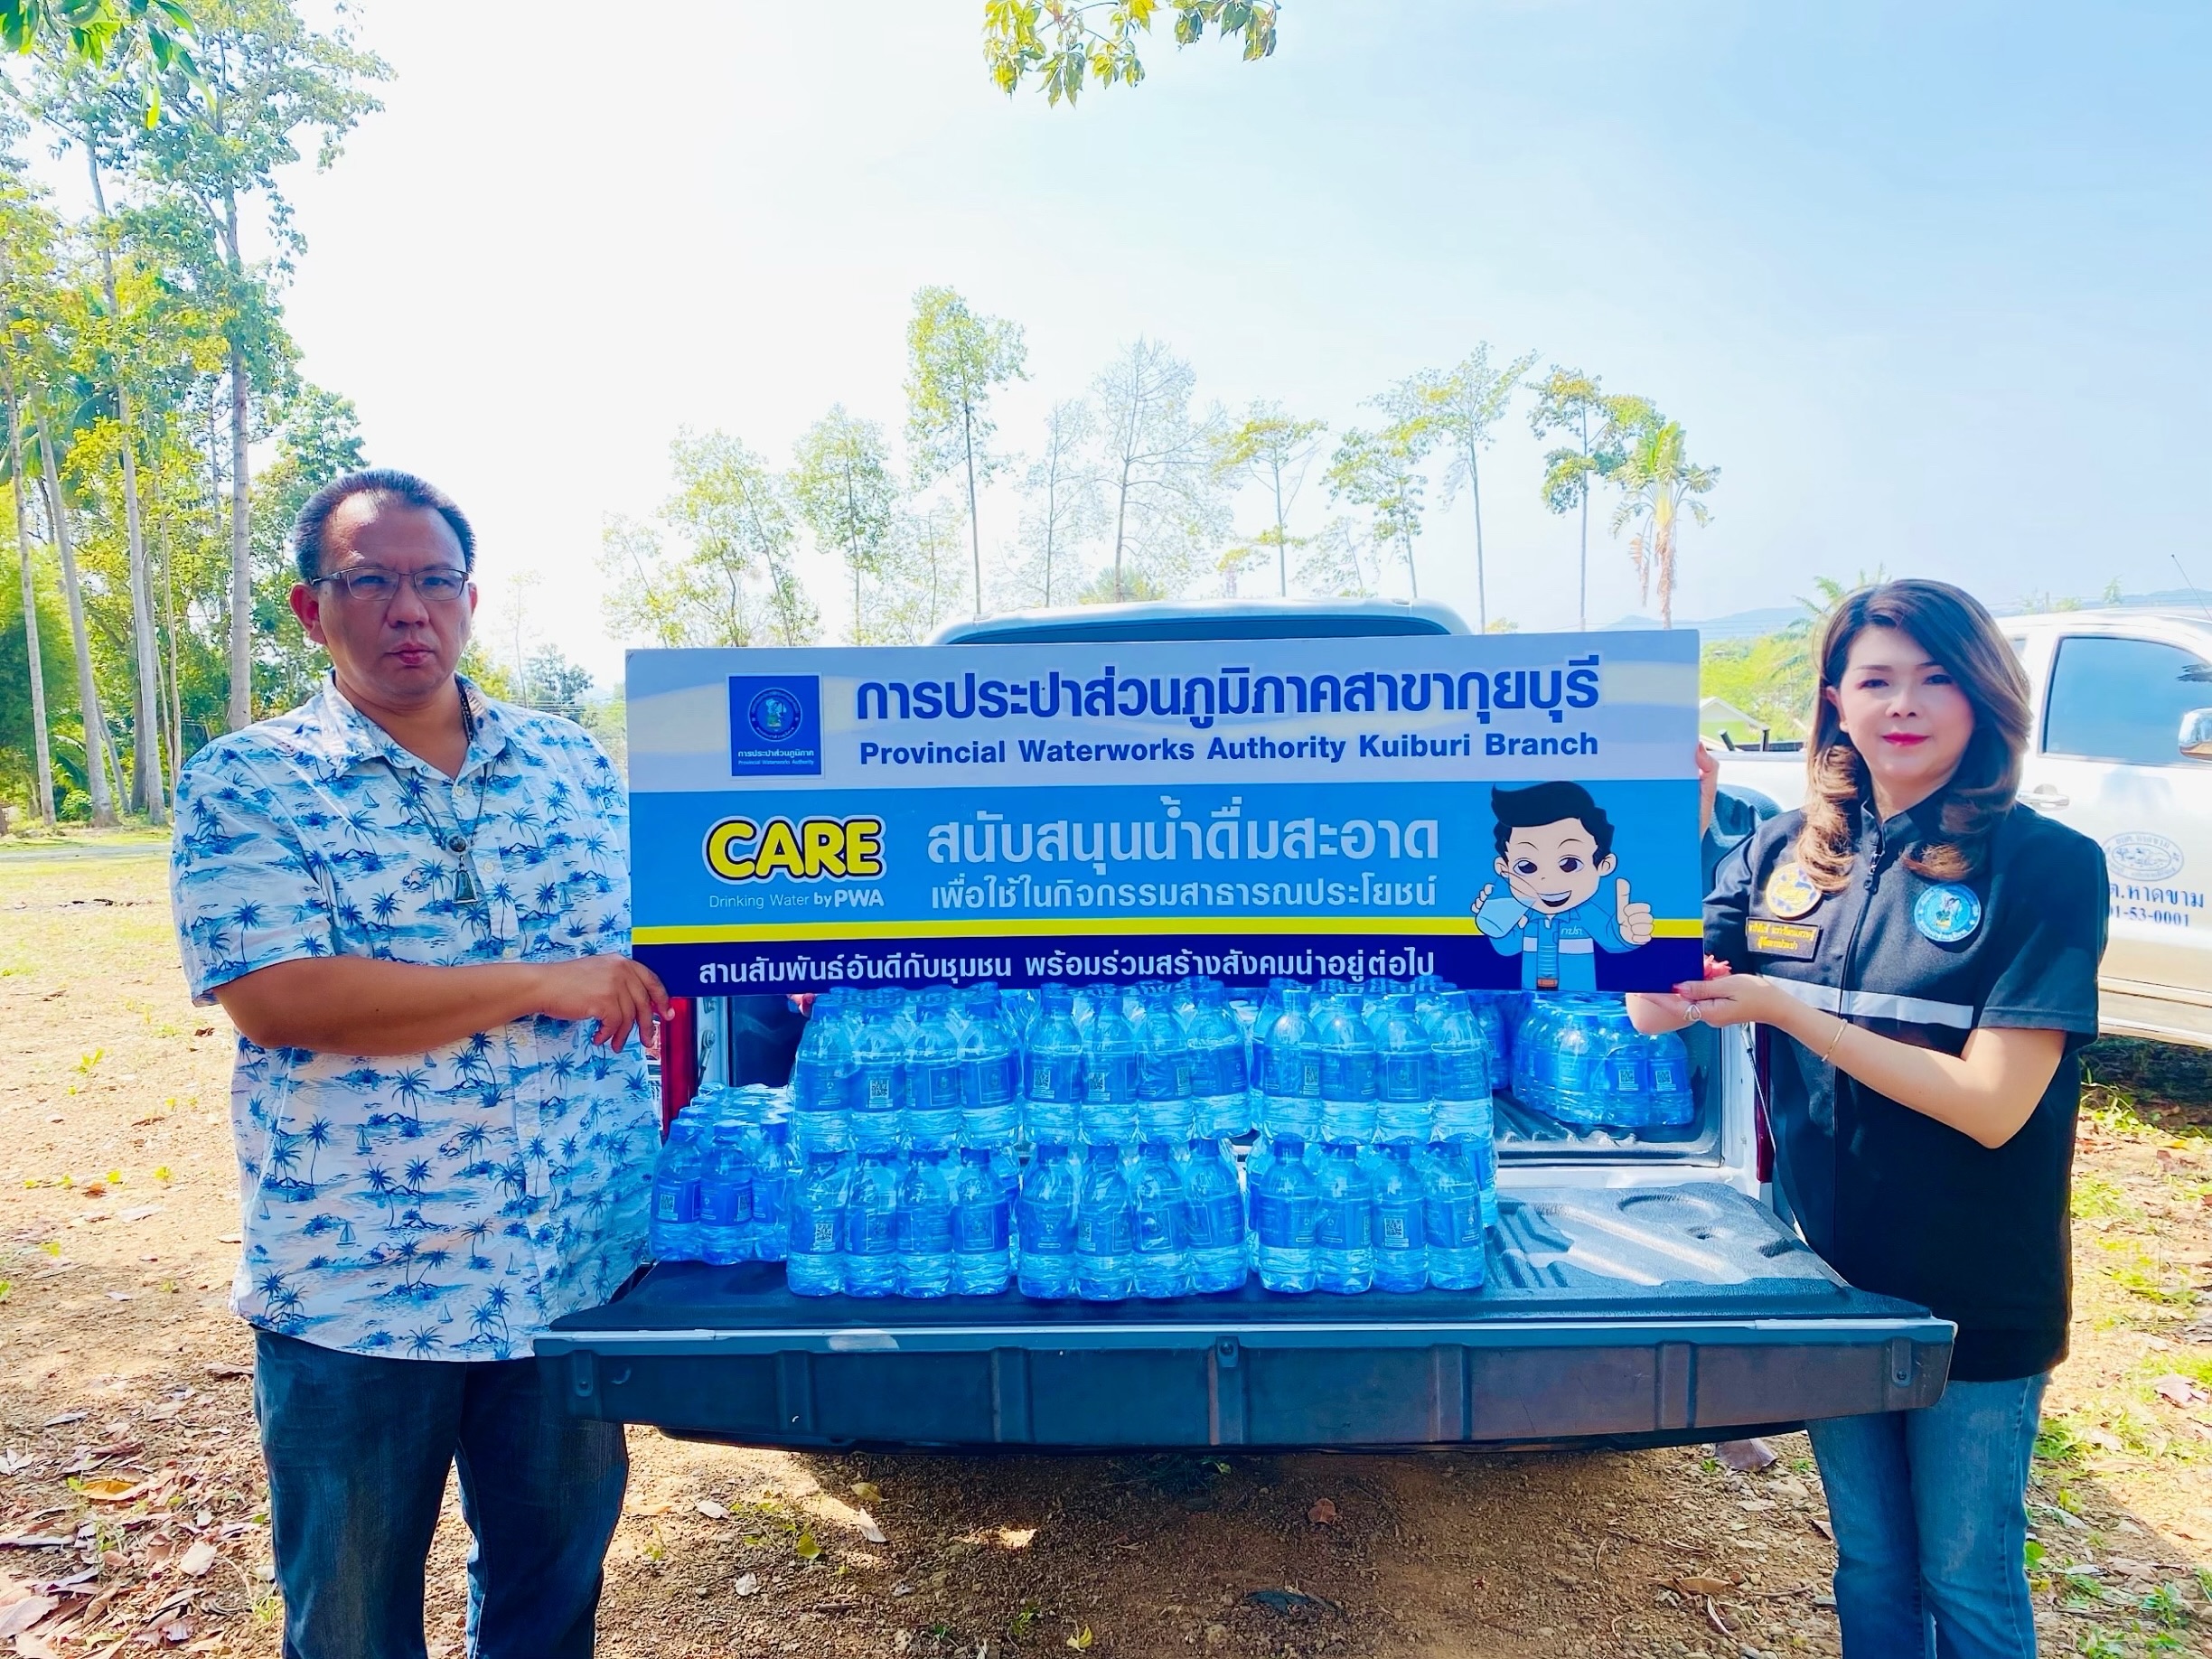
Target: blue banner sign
column 1503, row 810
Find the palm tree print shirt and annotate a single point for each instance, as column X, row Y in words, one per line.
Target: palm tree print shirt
column 446, row 1206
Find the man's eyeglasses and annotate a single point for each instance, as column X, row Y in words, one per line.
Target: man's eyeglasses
column 373, row 585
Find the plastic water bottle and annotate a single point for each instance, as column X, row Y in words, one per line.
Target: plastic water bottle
column 1053, row 1081
column 1401, row 1235
column 823, row 1078
column 1285, row 1205
column 1163, row 1076
column 774, row 1171
column 1405, row 1081
column 991, row 1076
column 676, row 1194
column 1105, row 1223
column 1459, row 1062
column 1111, row 1063
column 1346, row 1051
column 813, row 1227
column 935, row 1087
column 925, row 1224
column 871, row 1224
column 1045, row 1214
column 879, row 1084
column 1490, row 1016
column 1159, row 1233
column 982, row 1253
column 1344, row 1231
column 1264, row 1017
column 1452, row 1211
column 726, row 1197
column 1221, row 1095
column 1213, row 1212
column 1293, row 1105
column 1673, row 1105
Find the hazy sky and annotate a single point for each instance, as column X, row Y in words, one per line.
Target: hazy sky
column 1929, row 284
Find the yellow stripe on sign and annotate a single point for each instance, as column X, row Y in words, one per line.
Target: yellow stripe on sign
column 1053, row 927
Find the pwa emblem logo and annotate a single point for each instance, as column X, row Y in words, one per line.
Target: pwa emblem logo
column 775, row 726
column 739, row 850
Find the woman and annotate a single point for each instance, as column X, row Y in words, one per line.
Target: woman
column 1926, row 948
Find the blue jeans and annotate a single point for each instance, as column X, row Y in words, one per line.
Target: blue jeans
column 1931, row 1523
column 358, row 1446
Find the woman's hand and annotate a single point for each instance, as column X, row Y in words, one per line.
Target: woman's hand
column 1709, row 786
column 1735, row 1000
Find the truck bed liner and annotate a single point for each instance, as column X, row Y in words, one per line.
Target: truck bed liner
column 1680, row 1310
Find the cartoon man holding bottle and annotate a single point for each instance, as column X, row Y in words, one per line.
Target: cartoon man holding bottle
column 1555, row 852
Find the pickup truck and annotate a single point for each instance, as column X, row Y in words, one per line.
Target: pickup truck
column 2122, row 750
column 1640, row 1289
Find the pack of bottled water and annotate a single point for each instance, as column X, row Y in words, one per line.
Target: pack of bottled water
column 1082, row 1142
column 1578, row 1060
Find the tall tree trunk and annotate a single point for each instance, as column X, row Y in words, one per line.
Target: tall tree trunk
column 975, row 530
column 242, row 552
column 1282, row 541
column 44, row 793
column 88, row 690
column 1582, row 591
column 146, row 772
column 1482, row 597
column 175, row 685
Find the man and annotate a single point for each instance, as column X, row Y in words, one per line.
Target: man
column 412, row 902
column 1555, row 852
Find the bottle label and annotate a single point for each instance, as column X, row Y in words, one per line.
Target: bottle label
column 1284, row 1221
column 1461, row 1076
column 980, row 1227
column 768, row 1201
column 813, row 1233
column 870, row 1232
column 1347, row 1076
column 725, row 1204
column 1345, row 1224
column 1455, row 1223
column 1398, row 1224
column 1667, row 1076
column 1103, row 1232
column 1402, row 1077
column 1627, row 1080
column 1047, row 1229
column 879, row 1091
column 1055, row 1077
column 940, row 1089
column 925, row 1230
column 1161, row 1227
column 676, row 1201
column 1217, row 1222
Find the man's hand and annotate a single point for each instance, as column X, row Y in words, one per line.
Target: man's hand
column 1634, row 921
column 618, row 993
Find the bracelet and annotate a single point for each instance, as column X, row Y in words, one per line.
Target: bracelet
column 1842, row 1026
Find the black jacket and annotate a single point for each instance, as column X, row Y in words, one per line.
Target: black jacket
column 1897, row 1202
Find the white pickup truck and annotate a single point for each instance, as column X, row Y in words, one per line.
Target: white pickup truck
column 2122, row 750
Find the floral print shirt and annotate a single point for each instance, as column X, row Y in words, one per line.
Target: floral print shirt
column 446, row 1206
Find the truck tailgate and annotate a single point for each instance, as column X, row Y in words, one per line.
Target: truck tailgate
column 1646, row 1314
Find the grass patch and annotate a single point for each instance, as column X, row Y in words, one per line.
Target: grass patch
column 2098, row 1199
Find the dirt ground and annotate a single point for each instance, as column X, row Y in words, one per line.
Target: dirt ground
column 133, row 1517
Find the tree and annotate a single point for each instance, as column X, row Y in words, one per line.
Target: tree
column 1656, row 481
column 842, row 486
column 1267, row 447
column 925, row 572
column 1060, row 40
column 1156, row 464
column 1459, row 406
column 955, row 360
column 1381, row 471
column 128, row 34
column 72, row 592
column 550, row 681
column 1568, row 400
column 733, row 579
column 26, row 242
column 318, row 439
column 1065, row 510
column 261, row 77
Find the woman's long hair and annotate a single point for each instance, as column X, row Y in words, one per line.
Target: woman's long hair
column 1954, row 630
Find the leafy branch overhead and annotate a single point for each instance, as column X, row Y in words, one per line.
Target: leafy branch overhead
column 124, row 35
column 1062, row 41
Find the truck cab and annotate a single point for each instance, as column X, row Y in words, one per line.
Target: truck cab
column 1640, row 1288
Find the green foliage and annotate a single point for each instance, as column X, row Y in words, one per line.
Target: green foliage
column 1154, row 460
column 733, row 578
column 955, row 360
column 1060, row 42
column 1269, row 448
column 842, row 486
column 1458, row 407
column 1771, row 677
column 1381, row 471
column 1656, row 481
